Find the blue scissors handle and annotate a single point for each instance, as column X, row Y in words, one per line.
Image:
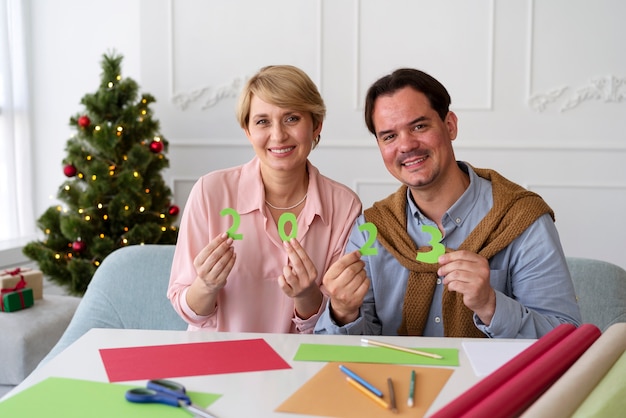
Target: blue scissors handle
column 170, row 388
column 166, row 392
column 143, row 395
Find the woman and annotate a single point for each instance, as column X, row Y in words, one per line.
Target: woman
column 289, row 223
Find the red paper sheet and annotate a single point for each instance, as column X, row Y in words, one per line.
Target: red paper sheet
column 192, row 359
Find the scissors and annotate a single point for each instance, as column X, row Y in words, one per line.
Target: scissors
column 166, row 392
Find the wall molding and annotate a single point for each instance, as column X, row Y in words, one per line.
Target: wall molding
column 587, row 146
column 210, row 95
column 608, row 88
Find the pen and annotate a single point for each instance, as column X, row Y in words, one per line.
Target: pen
column 397, row 347
column 411, row 399
column 362, row 381
column 367, row 393
column 392, row 396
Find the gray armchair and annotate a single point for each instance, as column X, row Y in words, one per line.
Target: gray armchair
column 601, row 291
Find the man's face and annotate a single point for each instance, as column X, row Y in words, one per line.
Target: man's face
column 416, row 145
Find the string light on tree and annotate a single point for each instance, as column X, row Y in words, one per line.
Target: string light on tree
column 113, row 194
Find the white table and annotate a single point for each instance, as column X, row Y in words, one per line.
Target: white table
column 264, row 391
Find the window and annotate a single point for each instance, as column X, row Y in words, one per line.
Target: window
column 16, row 202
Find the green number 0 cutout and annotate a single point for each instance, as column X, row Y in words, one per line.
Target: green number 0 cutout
column 367, row 248
column 284, row 218
column 438, row 248
column 232, row 231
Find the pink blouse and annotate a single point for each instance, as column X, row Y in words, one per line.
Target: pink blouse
column 252, row 301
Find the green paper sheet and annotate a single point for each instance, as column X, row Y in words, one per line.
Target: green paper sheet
column 359, row 354
column 58, row 397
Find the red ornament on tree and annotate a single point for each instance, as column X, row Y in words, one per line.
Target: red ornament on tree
column 84, row 121
column 156, row 146
column 173, row 211
column 69, row 170
column 78, row 246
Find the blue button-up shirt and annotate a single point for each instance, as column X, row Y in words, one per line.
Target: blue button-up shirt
column 534, row 290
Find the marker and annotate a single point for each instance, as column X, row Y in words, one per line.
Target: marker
column 411, row 399
column 392, row 396
column 362, row 381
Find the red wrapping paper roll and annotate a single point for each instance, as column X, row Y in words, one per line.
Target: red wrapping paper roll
column 525, row 387
column 474, row 395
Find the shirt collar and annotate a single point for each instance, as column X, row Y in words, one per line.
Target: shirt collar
column 460, row 210
column 251, row 192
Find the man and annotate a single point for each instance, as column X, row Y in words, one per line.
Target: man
column 461, row 251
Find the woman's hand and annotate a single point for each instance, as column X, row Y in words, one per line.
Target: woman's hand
column 298, row 280
column 213, row 265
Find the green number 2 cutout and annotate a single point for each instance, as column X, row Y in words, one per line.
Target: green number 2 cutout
column 367, row 248
column 438, row 248
column 232, row 231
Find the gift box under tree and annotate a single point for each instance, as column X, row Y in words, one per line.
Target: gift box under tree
column 9, row 279
column 12, row 301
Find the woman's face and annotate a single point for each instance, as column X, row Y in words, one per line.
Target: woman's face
column 281, row 138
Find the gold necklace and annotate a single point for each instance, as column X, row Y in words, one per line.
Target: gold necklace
column 290, row 207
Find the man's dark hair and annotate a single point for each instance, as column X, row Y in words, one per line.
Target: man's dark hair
column 418, row 80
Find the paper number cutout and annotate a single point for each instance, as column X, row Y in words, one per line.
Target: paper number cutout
column 284, row 218
column 232, row 231
column 367, row 248
column 438, row 248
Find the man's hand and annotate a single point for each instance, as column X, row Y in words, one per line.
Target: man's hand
column 347, row 283
column 468, row 273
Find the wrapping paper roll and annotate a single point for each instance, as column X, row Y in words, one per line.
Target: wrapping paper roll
column 568, row 393
column 525, row 387
column 489, row 384
column 607, row 399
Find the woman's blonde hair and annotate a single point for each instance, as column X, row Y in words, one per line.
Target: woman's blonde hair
column 284, row 86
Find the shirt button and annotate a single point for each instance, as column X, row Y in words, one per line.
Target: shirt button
column 438, row 281
column 437, row 319
column 457, row 220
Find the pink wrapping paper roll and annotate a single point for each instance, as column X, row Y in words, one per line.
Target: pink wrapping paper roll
column 495, row 380
column 516, row 394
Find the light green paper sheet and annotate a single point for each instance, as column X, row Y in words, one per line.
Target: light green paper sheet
column 58, row 397
column 359, row 354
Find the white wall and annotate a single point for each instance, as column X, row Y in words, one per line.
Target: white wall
column 539, row 87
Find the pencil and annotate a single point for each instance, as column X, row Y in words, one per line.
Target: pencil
column 362, row 381
column 392, row 396
column 397, row 347
column 411, row 399
column 367, row 393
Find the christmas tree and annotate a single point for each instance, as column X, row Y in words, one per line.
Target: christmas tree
column 115, row 195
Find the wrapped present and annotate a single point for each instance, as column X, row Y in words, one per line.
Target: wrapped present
column 16, row 300
column 34, row 280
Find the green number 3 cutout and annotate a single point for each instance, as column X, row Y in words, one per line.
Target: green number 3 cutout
column 232, row 231
column 284, row 218
column 438, row 248
column 367, row 248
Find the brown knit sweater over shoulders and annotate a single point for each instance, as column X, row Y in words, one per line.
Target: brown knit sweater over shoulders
column 514, row 209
